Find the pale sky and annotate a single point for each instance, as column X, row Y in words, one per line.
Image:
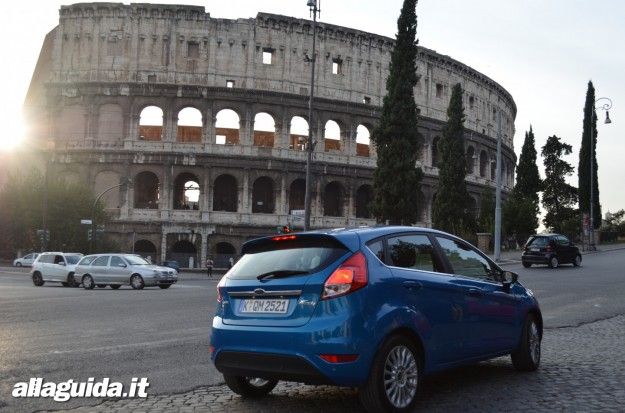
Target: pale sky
column 542, row 51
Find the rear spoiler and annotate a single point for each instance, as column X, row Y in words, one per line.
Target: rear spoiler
column 268, row 243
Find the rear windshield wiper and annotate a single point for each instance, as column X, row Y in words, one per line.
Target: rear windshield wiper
column 280, row 274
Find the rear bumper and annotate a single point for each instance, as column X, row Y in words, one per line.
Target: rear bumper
column 536, row 259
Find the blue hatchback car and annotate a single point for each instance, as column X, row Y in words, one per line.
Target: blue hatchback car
column 373, row 308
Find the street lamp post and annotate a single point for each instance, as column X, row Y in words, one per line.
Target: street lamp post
column 606, row 107
column 498, row 192
column 93, row 223
column 310, row 146
column 44, row 237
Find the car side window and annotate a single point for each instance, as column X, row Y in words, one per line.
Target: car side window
column 377, row 247
column 117, row 262
column 46, row 259
column 27, row 257
column 101, row 261
column 465, row 260
column 412, row 251
column 58, row 259
column 562, row 240
column 86, row 261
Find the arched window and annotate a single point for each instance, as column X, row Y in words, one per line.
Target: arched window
column 297, row 193
column 185, row 253
column 146, row 249
column 332, row 135
column 263, row 196
column 222, row 253
column 435, row 152
column 110, row 122
column 333, row 200
column 225, row 194
column 364, row 201
column 298, row 133
column 493, row 169
column 421, row 207
column 483, row 163
column 151, row 124
column 227, row 126
column 105, row 180
column 264, row 130
column 146, row 188
column 187, row 191
column 363, row 140
column 189, row 126
column 470, row 160
column 472, row 207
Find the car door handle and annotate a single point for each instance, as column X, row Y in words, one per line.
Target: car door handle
column 412, row 285
column 474, row 292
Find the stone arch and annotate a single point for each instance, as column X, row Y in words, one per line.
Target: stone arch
column 364, row 201
column 110, row 122
column 72, row 122
column 334, row 195
column 483, row 163
column 297, row 194
column 264, row 130
column 435, row 152
column 182, row 250
column 263, row 195
column 146, row 249
column 493, row 169
column 190, row 125
column 105, row 180
column 363, row 140
column 227, row 126
column 470, row 157
column 187, row 193
column 298, row 133
column 332, row 136
column 151, row 124
column 222, row 252
column 147, row 191
column 225, row 193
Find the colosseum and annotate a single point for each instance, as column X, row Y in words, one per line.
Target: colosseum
column 196, row 126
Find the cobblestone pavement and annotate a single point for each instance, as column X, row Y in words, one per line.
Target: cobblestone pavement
column 582, row 370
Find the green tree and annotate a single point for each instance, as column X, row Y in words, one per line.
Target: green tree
column 396, row 179
column 21, row 203
column 528, row 182
column 558, row 196
column 486, row 220
column 450, row 212
column 583, row 169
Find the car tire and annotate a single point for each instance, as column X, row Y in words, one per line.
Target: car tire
column 87, row 282
column 553, row 262
column 577, row 261
column 38, row 279
column 19, row 264
column 394, row 379
column 250, row 387
column 136, row 282
column 164, row 286
column 71, row 281
column 115, row 286
column 527, row 264
column 101, row 285
column 527, row 355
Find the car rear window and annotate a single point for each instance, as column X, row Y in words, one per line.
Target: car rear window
column 300, row 254
column 538, row 242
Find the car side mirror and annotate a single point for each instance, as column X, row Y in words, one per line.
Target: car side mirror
column 121, row 264
column 62, row 263
column 508, row 278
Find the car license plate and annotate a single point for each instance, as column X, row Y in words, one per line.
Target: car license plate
column 535, row 249
column 264, row 306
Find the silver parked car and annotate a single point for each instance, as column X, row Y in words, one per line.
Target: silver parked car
column 55, row 267
column 26, row 260
column 123, row 269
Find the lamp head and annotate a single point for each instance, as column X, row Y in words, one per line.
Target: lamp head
column 311, row 3
column 607, row 117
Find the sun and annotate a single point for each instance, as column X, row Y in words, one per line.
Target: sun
column 13, row 133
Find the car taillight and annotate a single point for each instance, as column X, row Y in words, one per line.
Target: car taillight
column 219, row 296
column 348, row 277
column 549, row 249
column 339, row 358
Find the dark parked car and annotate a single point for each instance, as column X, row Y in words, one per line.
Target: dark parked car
column 172, row 264
column 372, row 308
column 551, row 250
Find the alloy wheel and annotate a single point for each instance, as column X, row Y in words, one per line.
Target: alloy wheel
column 534, row 342
column 401, row 376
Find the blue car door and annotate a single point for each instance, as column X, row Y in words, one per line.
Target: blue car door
column 424, row 290
column 489, row 312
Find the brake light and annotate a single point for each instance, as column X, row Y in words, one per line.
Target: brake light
column 219, row 296
column 549, row 249
column 284, row 238
column 338, row 358
column 347, row 278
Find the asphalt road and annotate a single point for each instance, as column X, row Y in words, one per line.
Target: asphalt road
column 62, row 333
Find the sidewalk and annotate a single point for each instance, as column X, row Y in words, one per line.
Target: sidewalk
column 514, row 256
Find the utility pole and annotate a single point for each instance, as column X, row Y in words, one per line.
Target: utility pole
column 310, row 144
column 498, row 192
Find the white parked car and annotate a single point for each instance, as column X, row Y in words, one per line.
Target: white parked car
column 26, row 260
column 55, row 267
column 122, row 269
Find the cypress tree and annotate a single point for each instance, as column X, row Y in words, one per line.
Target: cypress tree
column 558, row 196
column 396, row 178
column 449, row 212
column 583, row 169
column 528, row 182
